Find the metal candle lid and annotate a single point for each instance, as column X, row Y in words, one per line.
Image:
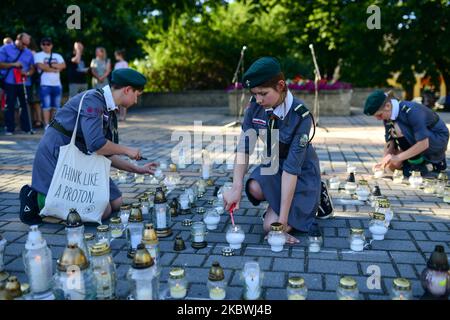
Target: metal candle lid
column 100, row 249
column 136, row 214
column 103, row 228
column 276, row 226
column 216, row 272
column 89, row 236
column 179, row 244
column 115, row 220
column 376, row 192
column 363, row 182
column 13, row 287
column 438, row 259
column 401, row 284
column 173, row 167
column 356, row 231
column 177, row 273
column 227, row 251
column 296, row 282
column 378, row 216
column 143, row 198
column 201, row 210
column 72, row 256
column 351, row 177
column 347, row 283
column 186, row 223
column 73, row 219
column 149, row 234
column 160, row 196
column 142, row 258
column 125, row 207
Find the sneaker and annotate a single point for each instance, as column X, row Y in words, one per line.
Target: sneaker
column 29, row 209
column 8, row 133
column 325, row 210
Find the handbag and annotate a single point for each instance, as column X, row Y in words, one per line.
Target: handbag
column 80, row 181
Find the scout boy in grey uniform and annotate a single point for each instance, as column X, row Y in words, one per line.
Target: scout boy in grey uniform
column 416, row 138
column 97, row 132
column 293, row 190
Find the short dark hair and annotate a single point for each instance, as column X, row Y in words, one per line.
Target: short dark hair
column 46, row 39
column 120, row 52
column 272, row 83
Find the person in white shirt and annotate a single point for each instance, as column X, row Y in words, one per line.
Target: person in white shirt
column 120, row 64
column 50, row 65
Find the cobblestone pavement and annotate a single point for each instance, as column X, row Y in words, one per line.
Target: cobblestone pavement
column 420, row 222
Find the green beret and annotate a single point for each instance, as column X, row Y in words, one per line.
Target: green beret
column 128, row 77
column 262, row 70
column 374, row 102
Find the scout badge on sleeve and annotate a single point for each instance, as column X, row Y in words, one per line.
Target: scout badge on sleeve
column 304, row 140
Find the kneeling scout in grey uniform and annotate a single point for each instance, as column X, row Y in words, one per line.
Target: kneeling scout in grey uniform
column 97, row 132
column 416, row 137
column 293, row 188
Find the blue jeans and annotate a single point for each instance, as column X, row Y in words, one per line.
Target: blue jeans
column 14, row 91
column 50, row 97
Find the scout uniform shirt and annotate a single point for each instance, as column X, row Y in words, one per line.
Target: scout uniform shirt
column 97, row 124
column 296, row 156
column 418, row 122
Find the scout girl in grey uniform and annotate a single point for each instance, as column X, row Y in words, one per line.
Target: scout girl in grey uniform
column 416, row 138
column 293, row 189
column 97, row 132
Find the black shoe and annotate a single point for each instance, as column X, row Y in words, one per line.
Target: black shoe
column 325, row 210
column 29, row 209
column 425, row 169
column 441, row 166
column 314, row 231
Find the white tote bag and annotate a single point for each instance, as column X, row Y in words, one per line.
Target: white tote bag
column 80, row 181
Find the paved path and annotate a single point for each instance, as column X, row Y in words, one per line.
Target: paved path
column 421, row 221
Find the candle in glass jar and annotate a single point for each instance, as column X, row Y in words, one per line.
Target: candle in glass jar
column 211, row 222
column 252, row 283
column 314, row 247
column 199, row 238
column 161, row 222
column 205, row 171
column 143, row 291
column 178, row 291
column 73, row 285
column 357, row 245
column 296, row 296
column 378, row 231
column 138, row 178
column 116, row 233
column 40, row 274
column 135, row 240
column 217, row 293
column 378, row 174
column 124, row 217
column 235, row 239
column 437, row 282
column 277, row 243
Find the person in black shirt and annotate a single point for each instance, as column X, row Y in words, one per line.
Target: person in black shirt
column 77, row 71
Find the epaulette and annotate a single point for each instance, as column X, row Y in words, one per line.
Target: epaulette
column 406, row 109
column 301, row 110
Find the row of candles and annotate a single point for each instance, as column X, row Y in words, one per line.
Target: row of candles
column 438, row 187
column 92, row 275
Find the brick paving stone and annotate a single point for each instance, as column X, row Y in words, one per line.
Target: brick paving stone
column 403, row 245
column 406, row 271
column 367, row 255
column 331, row 266
column 288, row 264
column 407, row 257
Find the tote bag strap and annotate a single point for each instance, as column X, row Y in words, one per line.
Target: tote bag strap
column 74, row 134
